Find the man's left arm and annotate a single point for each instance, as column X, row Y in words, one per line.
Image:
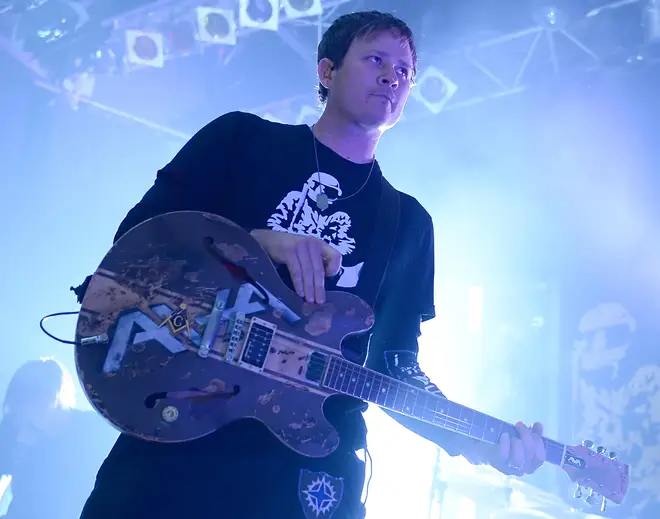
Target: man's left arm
column 407, row 301
column 393, row 351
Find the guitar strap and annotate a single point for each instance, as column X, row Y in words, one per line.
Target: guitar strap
column 382, row 243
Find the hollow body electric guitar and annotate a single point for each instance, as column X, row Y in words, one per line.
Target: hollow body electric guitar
column 186, row 327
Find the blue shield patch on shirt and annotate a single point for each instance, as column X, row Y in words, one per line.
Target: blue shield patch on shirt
column 319, row 493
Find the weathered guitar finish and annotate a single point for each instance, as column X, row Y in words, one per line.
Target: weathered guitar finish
column 186, row 327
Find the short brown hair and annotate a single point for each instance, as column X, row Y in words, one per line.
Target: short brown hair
column 338, row 38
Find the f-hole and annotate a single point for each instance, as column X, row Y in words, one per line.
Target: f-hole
column 194, row 394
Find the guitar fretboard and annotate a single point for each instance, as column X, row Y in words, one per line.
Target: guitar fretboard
column 350, row 379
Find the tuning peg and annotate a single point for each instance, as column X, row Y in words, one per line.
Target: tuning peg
column 601, row 450
column 578, row 492
column 588, row 444
column 614, row 455
column 603, row 505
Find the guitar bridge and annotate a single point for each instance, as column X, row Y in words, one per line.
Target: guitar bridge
column 257, row 343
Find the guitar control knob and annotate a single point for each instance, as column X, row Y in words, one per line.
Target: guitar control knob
column 588, row 444
column 614, row 455
column 578, row 492
column 601, row 450
column 170, row 414
column 593, row 499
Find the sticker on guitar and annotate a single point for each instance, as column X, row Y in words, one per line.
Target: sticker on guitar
column 247, row 299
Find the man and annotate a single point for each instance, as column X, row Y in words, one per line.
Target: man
column 310, row 197
column 50, row 451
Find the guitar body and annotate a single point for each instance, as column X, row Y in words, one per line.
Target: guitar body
column 185, row 279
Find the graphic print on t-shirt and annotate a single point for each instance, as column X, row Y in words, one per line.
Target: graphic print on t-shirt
column 298, row 213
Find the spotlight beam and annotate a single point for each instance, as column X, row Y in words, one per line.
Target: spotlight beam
column 116, row 112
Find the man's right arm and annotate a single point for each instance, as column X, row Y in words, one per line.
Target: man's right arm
column 194, row 178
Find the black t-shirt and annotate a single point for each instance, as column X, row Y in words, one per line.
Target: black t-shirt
column 261, row 174
column 53, row 477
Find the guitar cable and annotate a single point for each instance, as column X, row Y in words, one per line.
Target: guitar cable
column 50, row 316
column 87, row 341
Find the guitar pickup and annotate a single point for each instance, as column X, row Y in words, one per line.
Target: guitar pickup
column 257, row 343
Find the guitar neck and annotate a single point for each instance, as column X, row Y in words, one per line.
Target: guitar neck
column 350, row 379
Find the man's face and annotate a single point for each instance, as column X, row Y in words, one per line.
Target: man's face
column 372, row 85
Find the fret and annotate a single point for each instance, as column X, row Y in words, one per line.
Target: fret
column 419, row 404
column 554, row 451
column 381, row 391
column 331, row 377
column 466, row 416
column 353, row 381
column 492, row 431
column 372, row 389
column 399, row 397
column 409, row 397
column 478, row 429
column 428, row 413
column 440, row 412
column 391, row 390
column 344, row 376
column 364, row 387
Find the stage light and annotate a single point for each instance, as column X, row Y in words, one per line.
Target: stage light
column 145, row 48
column 46, row 25
column 259, row 14
column 104, row 61
column 551, row 17
column 217, row 26
column 434, row 89
column 302, row 8
column 308, row 115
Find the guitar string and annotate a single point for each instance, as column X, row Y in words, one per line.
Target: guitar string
column 448, row 419
column 342, row 365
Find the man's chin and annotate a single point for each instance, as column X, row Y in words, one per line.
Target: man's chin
column 379, row 122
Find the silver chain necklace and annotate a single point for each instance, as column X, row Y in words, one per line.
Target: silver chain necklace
column 322, row 201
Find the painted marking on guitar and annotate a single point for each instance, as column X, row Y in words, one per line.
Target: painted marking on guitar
column 248, row 299
column 574, row 462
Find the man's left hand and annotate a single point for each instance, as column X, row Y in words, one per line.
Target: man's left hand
column 523, row 455
column 514, row 456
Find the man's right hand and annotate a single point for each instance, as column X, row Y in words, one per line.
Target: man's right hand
column 309, row 260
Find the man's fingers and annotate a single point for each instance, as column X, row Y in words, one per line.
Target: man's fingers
column 527, row 442
column 539, row 446
column 295, row 271
column 517, row 456
column 331, row 260
column 505, row 446
column 315, row 249
column 304, row 255
column 309, row 260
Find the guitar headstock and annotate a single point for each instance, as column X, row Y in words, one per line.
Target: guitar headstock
column 597, row 473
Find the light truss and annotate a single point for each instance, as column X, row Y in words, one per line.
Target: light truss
column 495, row 68
column 535, row 41
column 507, row 64
column 163, row 9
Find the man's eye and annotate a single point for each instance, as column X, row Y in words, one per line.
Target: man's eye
column 404, row 72
column 375, row 59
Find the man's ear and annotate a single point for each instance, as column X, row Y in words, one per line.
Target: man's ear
column 325, row 70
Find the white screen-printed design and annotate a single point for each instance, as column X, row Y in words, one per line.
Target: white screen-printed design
column 320, row 494
column 298, row 213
